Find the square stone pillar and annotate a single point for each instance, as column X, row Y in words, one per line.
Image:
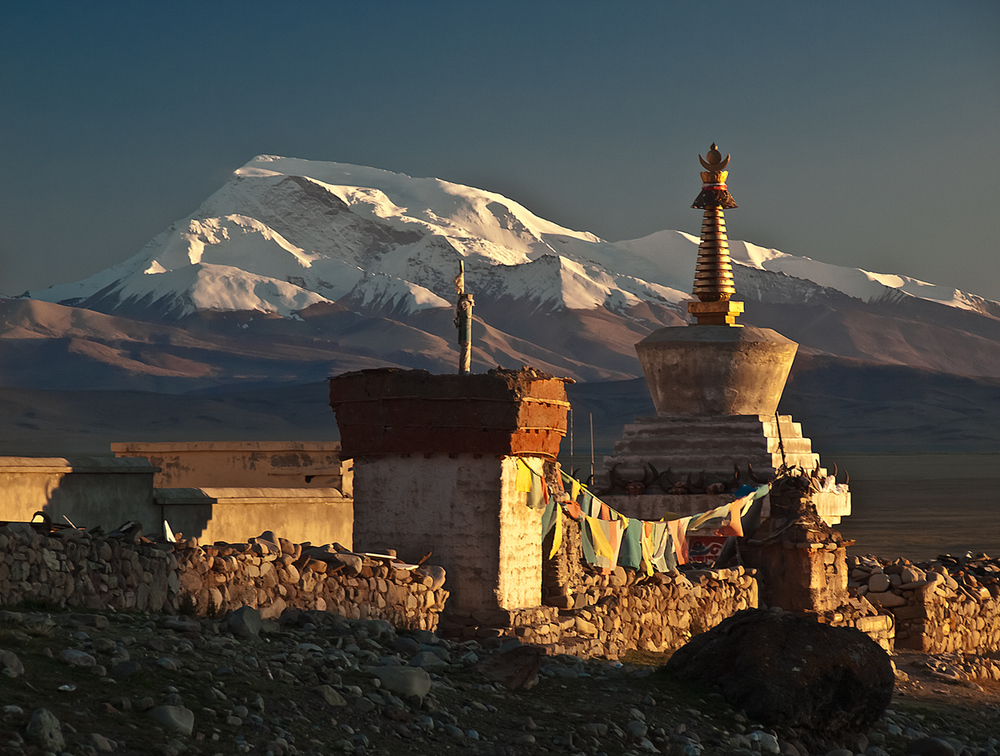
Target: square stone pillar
column 465, row 510
column 435, row 469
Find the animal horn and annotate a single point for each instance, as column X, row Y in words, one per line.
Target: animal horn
column 734, row 482
column 753, row 476
column 615, row 478
column 649, row 476
column 834, row 470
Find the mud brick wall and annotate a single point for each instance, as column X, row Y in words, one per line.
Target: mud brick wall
column 937, row 609
column 79, row 569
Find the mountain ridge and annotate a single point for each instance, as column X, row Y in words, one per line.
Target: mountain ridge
column 304, row 232
column 297, row 270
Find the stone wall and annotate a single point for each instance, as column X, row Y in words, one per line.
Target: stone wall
column 125, row 572
column 938, row 607
column 621, row 611
column 589, row 612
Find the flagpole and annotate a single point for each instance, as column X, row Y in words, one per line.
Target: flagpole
column 592, row 445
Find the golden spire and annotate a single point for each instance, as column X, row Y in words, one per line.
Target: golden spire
column 713, row 276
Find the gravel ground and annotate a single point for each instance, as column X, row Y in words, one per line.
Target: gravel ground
column 317, row 684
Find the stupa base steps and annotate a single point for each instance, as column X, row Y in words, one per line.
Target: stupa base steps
column 657, row 455
column 713, row 446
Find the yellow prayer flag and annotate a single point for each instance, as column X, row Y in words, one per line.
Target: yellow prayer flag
column 557, row 536
column 523, row 482
column 602, row 547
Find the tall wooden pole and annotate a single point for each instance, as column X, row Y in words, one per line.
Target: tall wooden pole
column 463, row 322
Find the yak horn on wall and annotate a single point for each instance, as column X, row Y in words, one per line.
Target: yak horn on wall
column 754, row 477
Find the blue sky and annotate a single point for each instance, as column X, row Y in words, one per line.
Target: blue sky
column 862, row 134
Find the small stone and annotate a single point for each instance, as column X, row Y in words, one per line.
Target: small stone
column 584, row 627
column 930, row 747
column 44, row 730
column 99, row 743
column 142, row 704
column 404, row 681
column 405, row 645
column 428, row 660
column 125, row 669
column 331, row 696
column 11, row 664
column 174, row 718
column 879, row 582
column 637, row 729
column 886, row 599
column 77, row 658
column 768, row 743
column 245, row 623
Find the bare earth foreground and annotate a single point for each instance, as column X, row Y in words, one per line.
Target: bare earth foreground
column 150, row 684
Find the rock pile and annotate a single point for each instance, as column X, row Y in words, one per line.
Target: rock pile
column 314, row 683
column 945, row 605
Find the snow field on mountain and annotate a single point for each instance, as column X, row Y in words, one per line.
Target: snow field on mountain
column 285, row 233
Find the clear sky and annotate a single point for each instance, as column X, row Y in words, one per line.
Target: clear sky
column 862, row 133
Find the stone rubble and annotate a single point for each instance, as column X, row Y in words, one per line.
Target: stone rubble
column 316, row 683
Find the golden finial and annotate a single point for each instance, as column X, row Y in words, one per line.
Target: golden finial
column 713, row 278
column 715, row 161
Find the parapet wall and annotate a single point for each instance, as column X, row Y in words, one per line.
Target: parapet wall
column 244, row 464
column 126, row 573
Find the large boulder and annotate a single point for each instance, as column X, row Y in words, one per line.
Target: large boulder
column 786, row 670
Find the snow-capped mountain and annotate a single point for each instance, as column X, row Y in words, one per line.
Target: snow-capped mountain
column 285, row 234
column 296, row 270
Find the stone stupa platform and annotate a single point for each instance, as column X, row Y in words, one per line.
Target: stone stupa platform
column 710, row 450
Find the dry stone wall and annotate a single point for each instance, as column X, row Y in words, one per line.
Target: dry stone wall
column 74, row 568
column 939, row 607
column 124, row 572
column 622, row 610
column 589, row 612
